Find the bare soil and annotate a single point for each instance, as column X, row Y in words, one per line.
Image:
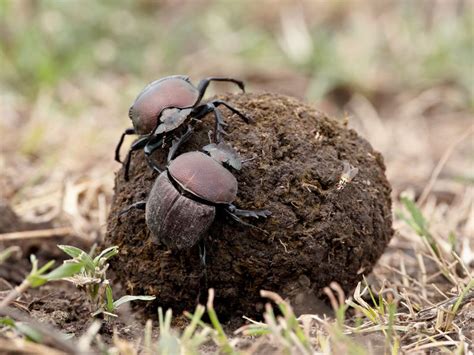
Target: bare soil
column 317, row 233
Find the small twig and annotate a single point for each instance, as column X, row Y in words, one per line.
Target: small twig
column 17, row 291
column 440, row 165
column 41, row 233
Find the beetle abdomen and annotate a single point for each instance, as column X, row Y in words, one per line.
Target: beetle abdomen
column 173, row 91
column 173, row 219
column 202, row 176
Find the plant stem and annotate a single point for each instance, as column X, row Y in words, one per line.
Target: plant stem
column 17, row 291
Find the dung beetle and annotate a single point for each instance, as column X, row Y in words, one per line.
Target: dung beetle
column 166, row 105
column 182, row 203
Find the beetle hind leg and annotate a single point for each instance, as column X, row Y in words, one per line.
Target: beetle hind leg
column 236, row 213
column 204, row 83
column 248, row 213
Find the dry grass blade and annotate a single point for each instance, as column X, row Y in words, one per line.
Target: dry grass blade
column 33, row 234
column 12, row 346
column 440, row 165
column 85, row 341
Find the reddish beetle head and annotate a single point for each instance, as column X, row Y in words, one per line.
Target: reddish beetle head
column 172, row 91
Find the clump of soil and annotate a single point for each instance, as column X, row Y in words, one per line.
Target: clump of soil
column 317, row 233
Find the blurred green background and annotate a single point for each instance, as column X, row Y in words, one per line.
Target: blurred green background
column 363, row 45
column 70, row 70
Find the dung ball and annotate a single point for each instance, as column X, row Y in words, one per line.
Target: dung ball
column 326, row 225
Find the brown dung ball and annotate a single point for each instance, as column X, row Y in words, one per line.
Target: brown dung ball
column 320, row 230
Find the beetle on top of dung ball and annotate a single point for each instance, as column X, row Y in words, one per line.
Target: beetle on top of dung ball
column 164, row 107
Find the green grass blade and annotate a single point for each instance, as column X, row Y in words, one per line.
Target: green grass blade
column 110, row 304
column 106, row 254
column 65, row 270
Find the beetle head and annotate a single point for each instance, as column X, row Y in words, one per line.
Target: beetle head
column 142, row 120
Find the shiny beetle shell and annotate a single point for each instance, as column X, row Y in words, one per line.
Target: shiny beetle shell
column 172, row 91
column 175, row 220
column 203, row 177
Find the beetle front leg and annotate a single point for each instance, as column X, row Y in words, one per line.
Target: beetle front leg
column 152, row 145
column 128, row 131
column 138, row 144
column 201, row 111
column 177, row 143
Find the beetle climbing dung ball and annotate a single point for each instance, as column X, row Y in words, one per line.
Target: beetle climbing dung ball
column 321, row 230
column 182, row 203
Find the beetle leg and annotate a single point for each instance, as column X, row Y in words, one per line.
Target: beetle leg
column 204, row 83
column 153, row 166
column 153, row 144
column 140, row 205
column 219, row 123
column 237, row 219
column 128, row 131
column 138, row 144
column 248, row 213
column 200, row 111
column 178, row 142
column 217, row 103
